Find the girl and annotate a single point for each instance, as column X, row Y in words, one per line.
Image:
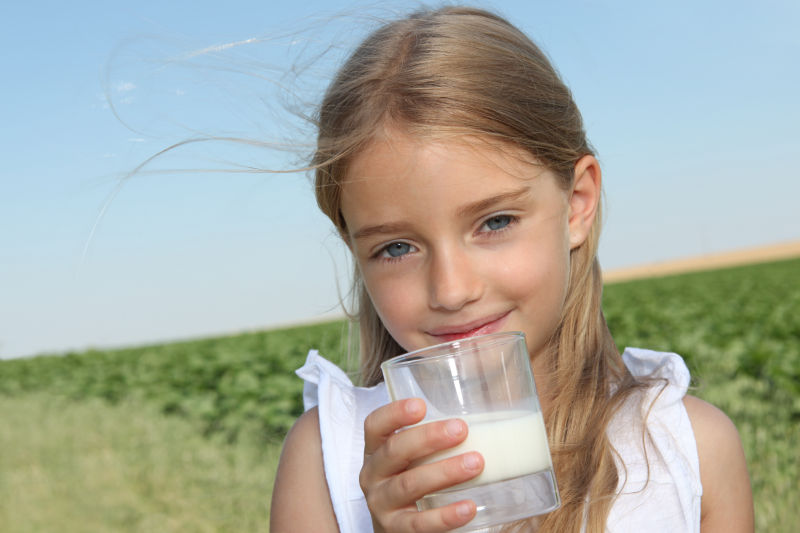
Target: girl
column 453, row 162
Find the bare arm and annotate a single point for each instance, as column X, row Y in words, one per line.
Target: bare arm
column 727, row 504
column 300, row 499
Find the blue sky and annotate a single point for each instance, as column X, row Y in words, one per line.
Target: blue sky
column 692, row 107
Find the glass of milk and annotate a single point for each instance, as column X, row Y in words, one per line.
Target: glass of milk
column 487, row 382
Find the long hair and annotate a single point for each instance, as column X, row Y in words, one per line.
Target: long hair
column 462, row 71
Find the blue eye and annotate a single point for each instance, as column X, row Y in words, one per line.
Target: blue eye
column 498, row 222
column 397, row 249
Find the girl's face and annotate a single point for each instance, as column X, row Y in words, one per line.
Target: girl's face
column 460, row 239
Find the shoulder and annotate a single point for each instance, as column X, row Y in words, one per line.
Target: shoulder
column 727, row 502
column 300, row 498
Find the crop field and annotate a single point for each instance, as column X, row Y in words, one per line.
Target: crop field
column 186, row 436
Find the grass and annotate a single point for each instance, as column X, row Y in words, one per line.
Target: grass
column 85, row 467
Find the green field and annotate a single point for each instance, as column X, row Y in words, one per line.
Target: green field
column 185, row 436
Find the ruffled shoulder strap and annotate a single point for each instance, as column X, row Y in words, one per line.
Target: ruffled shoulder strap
column 342, row 409
column 318, row 370
column 659, row 471
column 660, row 365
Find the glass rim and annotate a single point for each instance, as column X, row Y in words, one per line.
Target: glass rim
column 456, row 348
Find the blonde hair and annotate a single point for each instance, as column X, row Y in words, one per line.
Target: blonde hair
column 464, row 71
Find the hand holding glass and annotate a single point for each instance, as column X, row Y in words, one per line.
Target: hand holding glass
column 487, row 382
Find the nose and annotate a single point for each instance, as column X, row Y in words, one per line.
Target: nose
column 454, row 279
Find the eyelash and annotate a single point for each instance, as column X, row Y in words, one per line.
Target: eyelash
column 379, row 255
column 512, row 220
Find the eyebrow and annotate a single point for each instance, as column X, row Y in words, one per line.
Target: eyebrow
column 468, row 210
column 475, row 208
column 379, row 229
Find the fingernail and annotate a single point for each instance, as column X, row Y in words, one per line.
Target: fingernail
column 413, row 407
column 463, row 509
column 471, row 461
column 454, row 428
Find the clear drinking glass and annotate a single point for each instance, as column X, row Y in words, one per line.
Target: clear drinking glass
column 487, row 382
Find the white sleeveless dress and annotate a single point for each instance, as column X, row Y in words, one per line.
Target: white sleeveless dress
column 658, row 491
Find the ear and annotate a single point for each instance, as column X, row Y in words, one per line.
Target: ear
column 584, row 199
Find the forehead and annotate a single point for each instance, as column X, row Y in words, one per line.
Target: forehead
column 394, row 151
column 400, row 178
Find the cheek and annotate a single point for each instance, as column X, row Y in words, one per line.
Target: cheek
column 397, row 302
column 536, row 279
column 533, row 280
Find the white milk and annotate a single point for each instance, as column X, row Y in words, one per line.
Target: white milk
column 513, row 444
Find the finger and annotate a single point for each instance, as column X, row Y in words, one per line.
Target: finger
column 384, row 421
column 401, row 449
column 434, row 520
column 409, row 486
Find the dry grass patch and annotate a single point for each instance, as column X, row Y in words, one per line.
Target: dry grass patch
column 92, row 467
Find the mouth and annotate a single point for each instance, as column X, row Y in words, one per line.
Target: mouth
column 483, row 326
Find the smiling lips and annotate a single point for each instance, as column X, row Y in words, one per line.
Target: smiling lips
column 483, row 326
